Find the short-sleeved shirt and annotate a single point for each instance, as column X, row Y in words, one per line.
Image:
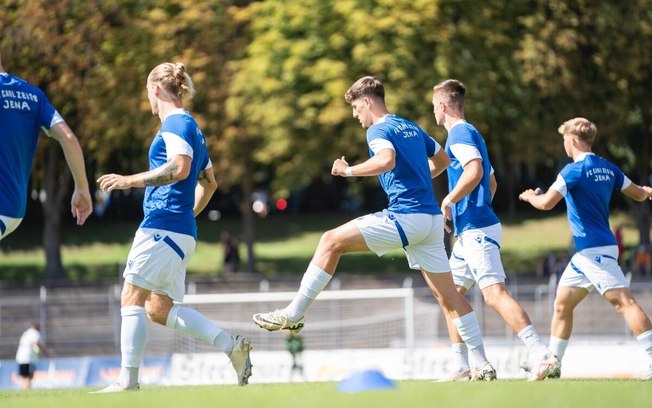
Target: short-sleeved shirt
column 587, row 185
column 26, row 353
column 408, row 185
column 474, row 211
column 24, row 111
column 170, row 207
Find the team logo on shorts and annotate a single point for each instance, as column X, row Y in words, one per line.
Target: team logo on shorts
column 598, row 259
column 157, row 237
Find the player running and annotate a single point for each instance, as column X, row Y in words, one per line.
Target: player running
column 587, row 185
column 475, row 257
column 405, row 159
column 179, row 184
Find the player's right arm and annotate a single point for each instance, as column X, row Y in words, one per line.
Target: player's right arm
column 81, row 203
column 493, row 185
column 638, row 193
column 540, row 200
column 438, row 163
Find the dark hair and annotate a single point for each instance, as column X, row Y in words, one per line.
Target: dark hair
column 365, row 86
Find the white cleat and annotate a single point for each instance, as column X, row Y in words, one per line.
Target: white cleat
column 277, row 320
column 116, row 387
column 548, row 365
column 463, row 374
column 648, row 375
column 239, row 357
column 486, row 373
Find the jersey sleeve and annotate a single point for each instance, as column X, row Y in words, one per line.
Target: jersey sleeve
column 432, row 147
column 462, row 145
column 174, row 132
column 621, row 180
column 378, row 139
column 567, row 179
column 48, row 116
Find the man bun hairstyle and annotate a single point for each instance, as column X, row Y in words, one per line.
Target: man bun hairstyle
column 173, row 78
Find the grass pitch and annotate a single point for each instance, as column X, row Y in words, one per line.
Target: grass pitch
column 407, row 394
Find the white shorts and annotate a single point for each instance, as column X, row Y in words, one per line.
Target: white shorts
column 476, row 257
column 157, row 261
column 420, row 235
column 594, row 268
column 8, row 225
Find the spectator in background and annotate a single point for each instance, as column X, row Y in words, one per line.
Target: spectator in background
column 293, row 343
column 29, row 349
column 231, row 252
column 24, row 111
column 643, row 261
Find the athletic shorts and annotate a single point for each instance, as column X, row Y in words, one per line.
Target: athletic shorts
column 420, row 235
column 476, row 257
column 157, row 261
column 594, row 268
column 8, row 225
column 26, row 370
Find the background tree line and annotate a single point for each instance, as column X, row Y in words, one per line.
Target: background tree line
column 271, row 76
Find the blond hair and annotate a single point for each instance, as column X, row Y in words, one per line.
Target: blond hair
column 365, row 86
column 173, row 78
column 585, row 130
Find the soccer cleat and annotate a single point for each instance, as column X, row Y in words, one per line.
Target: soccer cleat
column 542, row 369
column 116, row 387
column 277, row 320
column 554, row 373
column 457, row 376
column 486, row 373
column 648, row 375
column 239, row 357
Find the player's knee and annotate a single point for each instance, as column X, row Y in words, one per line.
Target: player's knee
column 330, row 242
column 562, row 309
column 154, row 314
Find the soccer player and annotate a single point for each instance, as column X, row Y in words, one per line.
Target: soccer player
column 475, row 257
column 24, row 111
column 179, row 184
column 405, row 159
column 587, row 185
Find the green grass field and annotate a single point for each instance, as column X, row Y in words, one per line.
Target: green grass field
column 498, row 394
column 284, row 245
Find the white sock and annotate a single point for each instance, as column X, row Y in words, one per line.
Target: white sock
column 460, row 356
column 314, row 281
column 645, row 339
column 192, row 322
column 469, row 330
column 558, row 346
column 133, row 336
column 532, row 341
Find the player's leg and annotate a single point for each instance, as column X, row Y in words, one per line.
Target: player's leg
column 461, row 370
column 333, row 243
column 161, row 309
column 636, row 318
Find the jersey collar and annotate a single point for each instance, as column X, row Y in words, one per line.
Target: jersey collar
column 177, row 111
column 459, row 122
column 582, row 156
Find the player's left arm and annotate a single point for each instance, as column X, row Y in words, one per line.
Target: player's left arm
column 381, row 162
column 175, row 169
column 206, row 187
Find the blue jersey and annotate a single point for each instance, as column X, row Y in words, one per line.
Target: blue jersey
column 474, row 211
column 408, row 185
column 587, row 185
column 24, row 110
column 170, row 207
